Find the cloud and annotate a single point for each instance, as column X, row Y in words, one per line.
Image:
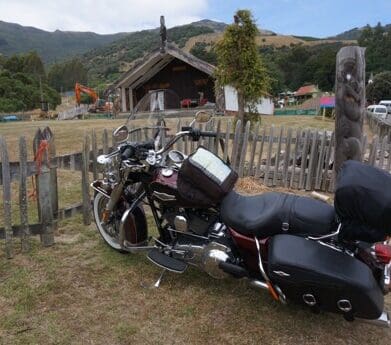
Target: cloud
column 101, row 16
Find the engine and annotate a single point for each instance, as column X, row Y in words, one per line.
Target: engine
column 199, row 239
column 207, row 255
column 193, row 221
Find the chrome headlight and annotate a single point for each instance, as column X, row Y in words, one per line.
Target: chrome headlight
column 110, row 165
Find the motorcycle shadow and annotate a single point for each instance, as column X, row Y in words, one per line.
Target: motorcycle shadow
column 255, row 308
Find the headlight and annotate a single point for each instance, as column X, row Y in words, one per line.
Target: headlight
column 104, row 160
column 110, row 168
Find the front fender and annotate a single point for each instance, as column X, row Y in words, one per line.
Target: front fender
column 133, row 227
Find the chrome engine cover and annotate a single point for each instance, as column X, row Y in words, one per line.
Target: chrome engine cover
column 206, row 256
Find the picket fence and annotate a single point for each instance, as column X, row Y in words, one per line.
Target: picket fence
column 292, row 158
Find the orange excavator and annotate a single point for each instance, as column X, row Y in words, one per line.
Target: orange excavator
column 98, row 105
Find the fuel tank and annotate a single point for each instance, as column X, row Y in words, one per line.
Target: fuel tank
column 164, row 189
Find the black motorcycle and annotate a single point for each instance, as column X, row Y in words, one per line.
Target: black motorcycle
column 297, row 248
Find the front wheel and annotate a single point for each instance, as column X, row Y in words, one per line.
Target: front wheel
column 108, row 230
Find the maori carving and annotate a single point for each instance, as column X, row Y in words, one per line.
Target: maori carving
column 349, row 104
column 163, row 35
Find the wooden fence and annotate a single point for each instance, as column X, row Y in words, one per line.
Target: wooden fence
column 276, row 156
column 381, row 127
column 281, row 157
column 44, row 170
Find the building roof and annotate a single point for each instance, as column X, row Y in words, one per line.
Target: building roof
column 307, row 90
column 146, row 67
column 327, row 102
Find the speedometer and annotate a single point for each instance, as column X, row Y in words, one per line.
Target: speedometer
column 176, row 156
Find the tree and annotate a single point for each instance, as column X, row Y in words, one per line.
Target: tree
column 380, row 88
column 33, row 65
column 239, row 64
column 63, row 76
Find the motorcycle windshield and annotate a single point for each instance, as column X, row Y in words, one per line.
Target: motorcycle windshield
column 152, row 108
column 149, row 116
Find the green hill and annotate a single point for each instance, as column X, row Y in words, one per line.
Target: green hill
column 108, row 62
column 51, row 46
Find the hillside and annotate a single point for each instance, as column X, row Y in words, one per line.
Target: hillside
column 354, row 33
column 108, row 62
column 51, row 46
column 276, row 41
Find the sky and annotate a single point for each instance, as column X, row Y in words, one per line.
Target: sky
column 318, row 18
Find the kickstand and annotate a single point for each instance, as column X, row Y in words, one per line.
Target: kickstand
column 156, row 284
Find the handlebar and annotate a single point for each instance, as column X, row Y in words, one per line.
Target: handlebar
column 193, row 132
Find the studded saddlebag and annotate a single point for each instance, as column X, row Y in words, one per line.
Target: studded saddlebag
column 321, row 277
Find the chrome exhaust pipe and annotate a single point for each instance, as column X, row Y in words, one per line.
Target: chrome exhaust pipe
column 258, row 284
column 383, row 320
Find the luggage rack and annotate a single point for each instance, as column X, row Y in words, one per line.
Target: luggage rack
column 317, row 238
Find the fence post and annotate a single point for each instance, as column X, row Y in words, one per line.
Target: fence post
column 85, row 185
column 105, row 142
column 253, row 149
column 327, row 162
column 25, row 241
column 43, row 188
column 277, row 159
column 287, row 156
column 269, row 156
column 53, row 172
column 94, row 147
column 259, row 163
column 304, row 159
column 242, row 161
column 235, row 144
column 227, row 139
column 6, row 199
column 295, row 155
column 312, row 161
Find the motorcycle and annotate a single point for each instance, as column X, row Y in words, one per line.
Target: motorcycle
column 288, row 245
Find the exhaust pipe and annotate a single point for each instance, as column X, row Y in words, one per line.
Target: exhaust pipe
column 383, row 320
column 258, row 284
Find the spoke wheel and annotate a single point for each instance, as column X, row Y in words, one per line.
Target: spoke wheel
column 109, row 231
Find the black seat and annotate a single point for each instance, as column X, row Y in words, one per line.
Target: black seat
column 273, row 213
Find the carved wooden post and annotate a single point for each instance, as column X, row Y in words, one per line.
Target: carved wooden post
column 349, row 104
column 43, row 186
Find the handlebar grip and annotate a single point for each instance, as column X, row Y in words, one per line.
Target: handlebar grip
column 208, row 134
column 127, row 153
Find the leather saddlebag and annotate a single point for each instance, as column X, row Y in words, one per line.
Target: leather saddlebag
column 323, row 278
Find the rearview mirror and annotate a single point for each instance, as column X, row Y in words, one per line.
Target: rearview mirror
column 121, row 134
column 202, row 116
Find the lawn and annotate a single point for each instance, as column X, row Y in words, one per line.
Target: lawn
column 69, row 134
column 82, row 292
column 79, row 291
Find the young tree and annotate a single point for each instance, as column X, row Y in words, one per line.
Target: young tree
column 239, row 63
column 380, row 88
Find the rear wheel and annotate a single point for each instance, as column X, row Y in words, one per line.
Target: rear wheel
column 108, row 230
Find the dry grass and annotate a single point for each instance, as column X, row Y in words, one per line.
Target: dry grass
column 81, row 292
column 262, row 40
column 69, row 134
